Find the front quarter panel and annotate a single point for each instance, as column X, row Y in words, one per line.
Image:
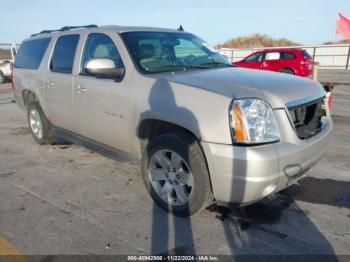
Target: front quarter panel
column 202, row 112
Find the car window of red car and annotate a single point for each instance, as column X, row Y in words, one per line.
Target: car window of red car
column 306, row 54
column 254, row 58
column 286, row 55
column 273, row 56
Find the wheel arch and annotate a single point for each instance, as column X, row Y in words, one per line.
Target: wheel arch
column 152, row 127
column 288, row 68
column 29, row 96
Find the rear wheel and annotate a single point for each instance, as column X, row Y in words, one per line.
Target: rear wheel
column 39, row 125
column 175, row 173
column 287, row 71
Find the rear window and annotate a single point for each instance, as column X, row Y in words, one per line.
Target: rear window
column 31, row 53
column 286, row 55
column 64, row 53
column 306, row 54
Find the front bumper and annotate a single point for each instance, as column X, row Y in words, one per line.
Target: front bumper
column 243, row 175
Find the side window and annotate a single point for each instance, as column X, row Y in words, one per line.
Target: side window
column 63, row 55
column 286, row 55
column 273, row 56
column 100, row 46
column 254, row 58
column 31, row 53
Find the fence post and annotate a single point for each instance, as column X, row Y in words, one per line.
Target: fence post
column 315, row 72
column 231, row 55
column 347, row 60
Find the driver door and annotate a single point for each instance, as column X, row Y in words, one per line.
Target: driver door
column 254, row 61
column 102, row 104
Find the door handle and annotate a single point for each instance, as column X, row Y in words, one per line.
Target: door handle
column 80, row 89
column 49, row 83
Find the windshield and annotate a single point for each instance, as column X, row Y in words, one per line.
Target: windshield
column 157, row 52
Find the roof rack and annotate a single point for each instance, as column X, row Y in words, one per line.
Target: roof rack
column 65, row 28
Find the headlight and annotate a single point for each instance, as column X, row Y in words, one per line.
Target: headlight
column 253, row 122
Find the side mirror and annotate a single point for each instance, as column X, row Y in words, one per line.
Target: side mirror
column 102, row 67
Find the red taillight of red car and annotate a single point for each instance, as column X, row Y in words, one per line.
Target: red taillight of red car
column 12, row 81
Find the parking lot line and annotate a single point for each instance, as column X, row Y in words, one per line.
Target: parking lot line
column 9, row 253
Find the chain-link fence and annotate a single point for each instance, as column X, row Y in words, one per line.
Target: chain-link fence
column 328, row 56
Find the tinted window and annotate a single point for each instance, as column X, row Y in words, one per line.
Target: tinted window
column 286, row 55
column 31, row 53
column 64, row 53
column 100, row 46
column 306, row 54
column 254, row 58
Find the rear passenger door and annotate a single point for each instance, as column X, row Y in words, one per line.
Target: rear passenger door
column 59, row 79
column 272, row 61
column 102, row 105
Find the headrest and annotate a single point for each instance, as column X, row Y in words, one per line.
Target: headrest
column 145, row 51
column 101, row 51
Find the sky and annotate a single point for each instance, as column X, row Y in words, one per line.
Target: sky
column 304, row 21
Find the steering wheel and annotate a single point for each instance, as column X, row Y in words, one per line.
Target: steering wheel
column 189, row 59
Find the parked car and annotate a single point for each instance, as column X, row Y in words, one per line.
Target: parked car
column 5, row 71
column 291, row 61
column 201, row 128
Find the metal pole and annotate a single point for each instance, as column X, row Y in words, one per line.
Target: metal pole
column 12, row 51
column 347, row 60
column 314, row 72
column 231, row 55
column 314, row 54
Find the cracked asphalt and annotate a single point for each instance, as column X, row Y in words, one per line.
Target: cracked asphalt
column 66, row 199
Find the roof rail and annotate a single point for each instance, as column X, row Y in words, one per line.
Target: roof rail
column 65, row 28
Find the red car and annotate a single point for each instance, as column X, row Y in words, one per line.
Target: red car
column 290, row 61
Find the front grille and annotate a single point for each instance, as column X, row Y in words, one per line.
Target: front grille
column 307, row 118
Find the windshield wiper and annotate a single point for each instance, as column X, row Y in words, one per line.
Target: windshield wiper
column 214, row 63
column 182, row 67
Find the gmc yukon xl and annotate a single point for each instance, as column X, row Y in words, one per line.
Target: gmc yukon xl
column 202, row 128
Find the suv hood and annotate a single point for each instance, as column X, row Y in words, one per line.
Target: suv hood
column 276, row 88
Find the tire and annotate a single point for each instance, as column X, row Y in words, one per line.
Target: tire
column 192, row 164
column 2, row 78
column 287, row 71
column 37, row 120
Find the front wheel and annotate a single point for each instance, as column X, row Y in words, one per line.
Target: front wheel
column 175, row 173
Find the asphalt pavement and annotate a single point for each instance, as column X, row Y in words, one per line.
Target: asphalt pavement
column 66, row 199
